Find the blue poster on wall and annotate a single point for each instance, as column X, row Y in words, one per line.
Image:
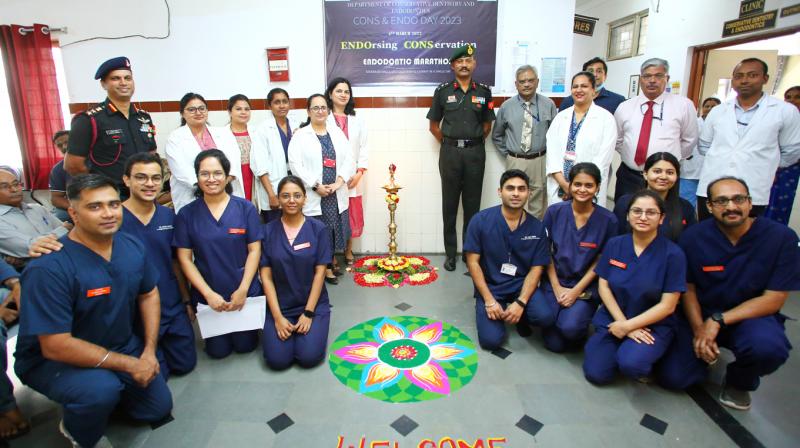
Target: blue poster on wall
column 407, row 41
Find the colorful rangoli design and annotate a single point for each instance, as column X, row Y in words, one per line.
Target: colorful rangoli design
column 373, row 271
column 404, row 359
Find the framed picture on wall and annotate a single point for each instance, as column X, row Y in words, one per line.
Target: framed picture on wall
column 633, row 86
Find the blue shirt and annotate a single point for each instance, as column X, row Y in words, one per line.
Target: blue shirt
column 606, row 99
column 488, row 234
column 7, row 271
column 639, row 282
column 574, row 250
column 293, row 264
column 724, row 275
column 688, row 216
column 77, row 291
column 59, row 177
column 156, row 237
column 219, row 247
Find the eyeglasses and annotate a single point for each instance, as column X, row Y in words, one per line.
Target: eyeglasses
column 723, row 201
column 295, row 196
column 205, row 175
column 657, row 76
column 318, row 109
column 197, row 110
column 143, row 178
column 527, row 81
column 649, row 213
column 10, row 186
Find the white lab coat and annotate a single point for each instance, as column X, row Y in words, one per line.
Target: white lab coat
column 357, row 132
column 690, row 168
column 770, row 140
column 594, row 143
column 267, row 157
column 182, row 148
column 305, row 161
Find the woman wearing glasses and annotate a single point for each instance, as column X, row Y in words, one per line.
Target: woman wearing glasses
column 192, row 137
column 661, row 172
column 642, row 275
column 270, row 154
column 295, row 253
column 320, row 155
column 580, row 133
column 343, row 114
column 579, row 230
column 218, row 240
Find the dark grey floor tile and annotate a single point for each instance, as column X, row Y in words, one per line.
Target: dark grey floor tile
column 280, row 423
column 404, row 425
column 501, row 353
column 654, row 424
column 529, row 425
column 403, row 306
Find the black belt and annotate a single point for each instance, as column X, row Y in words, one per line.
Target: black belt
column 528, row 156
column 461, row 142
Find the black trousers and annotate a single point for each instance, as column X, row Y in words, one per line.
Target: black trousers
column 628, row 181
column 703, row 213
column 461, row 171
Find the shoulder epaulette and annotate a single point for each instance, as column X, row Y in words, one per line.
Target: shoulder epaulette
column 484, row 86
column 94, row 110
column 444, row 84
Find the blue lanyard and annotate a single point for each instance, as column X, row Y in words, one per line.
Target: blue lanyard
column 574, row 129
column 527, row 109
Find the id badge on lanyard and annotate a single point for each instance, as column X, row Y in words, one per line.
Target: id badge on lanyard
column 509, row 268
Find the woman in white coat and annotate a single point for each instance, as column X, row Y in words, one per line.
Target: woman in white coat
column 187, row 141
column 320, row 155
column 343, row 115
column 580, row 133
column 270, row 153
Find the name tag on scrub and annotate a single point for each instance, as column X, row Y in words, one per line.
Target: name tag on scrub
column 98, row 291
column 588, row 245
column 329, row 163
column 713, row 268
column 618, row 264
column 302, row 246
column 233, row 231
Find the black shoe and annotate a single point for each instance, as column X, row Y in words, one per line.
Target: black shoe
column 331, row 280
column 524, row 330
column 450, row 264
column 337, row 272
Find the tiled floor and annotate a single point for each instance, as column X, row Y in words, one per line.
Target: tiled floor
column 529, row 398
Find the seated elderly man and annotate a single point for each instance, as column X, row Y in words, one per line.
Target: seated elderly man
column 21, row 223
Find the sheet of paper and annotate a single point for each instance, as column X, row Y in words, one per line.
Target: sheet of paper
column 552, row 75
column 250, row 317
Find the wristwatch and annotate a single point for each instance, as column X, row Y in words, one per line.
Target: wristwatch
column 309, row 314
column 717, row 317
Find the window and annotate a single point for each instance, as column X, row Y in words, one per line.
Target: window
column 627, row 37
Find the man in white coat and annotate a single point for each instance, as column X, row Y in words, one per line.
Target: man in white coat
column 749, row 137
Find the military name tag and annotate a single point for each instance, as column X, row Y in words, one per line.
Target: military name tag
column 451, row 99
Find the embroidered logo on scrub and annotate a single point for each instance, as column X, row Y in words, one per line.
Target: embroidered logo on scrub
column 165, row 227
column 234, row 231
column 617, row 263
column 713, row 268
column 98, row 291
column 587, row 244
column 529, row 237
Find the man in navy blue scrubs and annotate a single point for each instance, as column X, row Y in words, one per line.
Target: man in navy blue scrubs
column 740, row 272
column 77, row 345
column 152, row 224
column 507, row 250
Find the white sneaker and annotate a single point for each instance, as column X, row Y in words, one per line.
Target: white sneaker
column 735, row 398
column 102, row 443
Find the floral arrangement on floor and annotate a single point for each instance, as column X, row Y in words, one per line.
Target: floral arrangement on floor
column 378, row 270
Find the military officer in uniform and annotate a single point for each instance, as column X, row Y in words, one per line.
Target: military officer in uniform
column 460, row 118
column 103, row 137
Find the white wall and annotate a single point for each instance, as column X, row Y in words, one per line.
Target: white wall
column 677, row 26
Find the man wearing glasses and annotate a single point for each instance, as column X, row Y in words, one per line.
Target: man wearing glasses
column 461, row 116
column 604, row 98
column 519, row 134
column 22, row 223
column 740, row 272
column 103, row 137
column 749, row 136
column 653, row 121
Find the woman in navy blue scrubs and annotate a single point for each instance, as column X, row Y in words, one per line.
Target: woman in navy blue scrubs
column 296, row 252
column 642, row 275
column 662, row 171
column 218, row 238
column 579, row 230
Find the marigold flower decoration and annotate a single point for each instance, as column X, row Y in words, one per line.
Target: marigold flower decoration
column 374, row 271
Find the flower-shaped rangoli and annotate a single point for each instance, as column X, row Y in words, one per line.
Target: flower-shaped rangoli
column 419, row 356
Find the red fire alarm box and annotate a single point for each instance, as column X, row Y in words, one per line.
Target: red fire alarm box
column 278, row 64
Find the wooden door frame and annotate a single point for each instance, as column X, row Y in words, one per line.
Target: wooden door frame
column 700, row 57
